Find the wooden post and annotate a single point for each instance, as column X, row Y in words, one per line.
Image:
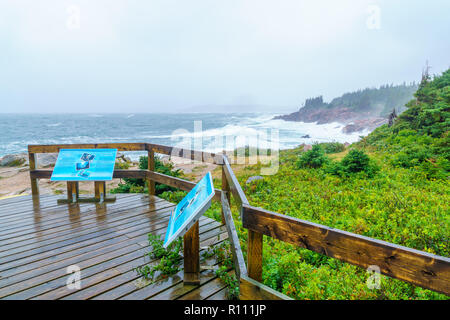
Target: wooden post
column 151, row 167
column 192, row 256
column 254, row 255
column 226, row 188
column 34, row 181
column 72, row 191
column 100, row 191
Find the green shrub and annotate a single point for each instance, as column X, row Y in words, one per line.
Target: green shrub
column 354, row 162
column 121, row 165
column 254, row 151
column 173, row 196
column 224, row 256
column 314, row 158
column 335, row 168
column 134, row 185
column 170, row 258
column 332, row 147
column 435, row 169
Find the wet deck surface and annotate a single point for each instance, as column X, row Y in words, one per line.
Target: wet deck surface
column 40, row 239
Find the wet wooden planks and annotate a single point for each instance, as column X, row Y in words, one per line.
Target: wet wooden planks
column 40, row 239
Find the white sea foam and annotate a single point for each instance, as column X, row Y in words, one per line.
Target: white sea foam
column 259, row 132
column 223, row 133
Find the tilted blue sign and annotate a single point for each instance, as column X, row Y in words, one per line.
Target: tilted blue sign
column 84, row 165
column 190, row 209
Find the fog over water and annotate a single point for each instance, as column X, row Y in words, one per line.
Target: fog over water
column 102, row 56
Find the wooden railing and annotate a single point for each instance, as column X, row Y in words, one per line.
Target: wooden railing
column 417, row 267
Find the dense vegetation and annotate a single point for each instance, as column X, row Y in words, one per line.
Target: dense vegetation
column 419, row 139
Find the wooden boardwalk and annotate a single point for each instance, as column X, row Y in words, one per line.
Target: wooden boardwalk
column 40, row 239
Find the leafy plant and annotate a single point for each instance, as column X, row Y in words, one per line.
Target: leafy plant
column 170, row 258
column 121, row 165
column 314, row 158
column 230, row 281
column 223, row 254
column 134, row 185
column 332, row 147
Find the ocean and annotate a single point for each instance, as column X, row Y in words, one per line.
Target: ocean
column 200, row 131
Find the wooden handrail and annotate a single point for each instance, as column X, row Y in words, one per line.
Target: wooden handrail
column 251, row 289
column 186, row 153
column 54, row 148
column 131, row 146
column 417, row 267
column 233, row 183
column 239, row 262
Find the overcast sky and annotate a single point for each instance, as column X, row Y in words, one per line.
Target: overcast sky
column 165, row 55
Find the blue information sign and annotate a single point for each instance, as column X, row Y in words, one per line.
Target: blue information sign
column 84, row 165
column 190, row 209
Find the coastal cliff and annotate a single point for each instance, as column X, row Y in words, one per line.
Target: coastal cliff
column 360, row 110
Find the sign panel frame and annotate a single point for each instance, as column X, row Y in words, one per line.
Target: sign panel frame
column 84, row 165
column 190, row 209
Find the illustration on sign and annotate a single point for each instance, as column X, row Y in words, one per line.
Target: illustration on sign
column 84, row 165
column 190, row 209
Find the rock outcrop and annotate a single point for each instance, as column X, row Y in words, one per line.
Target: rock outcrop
column 358, row 110
column 43, row 160
column 363, row 124
column 354, row 121
column 14, row 160
column 321, row 116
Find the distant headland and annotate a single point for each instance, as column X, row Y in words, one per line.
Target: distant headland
column 360, row 110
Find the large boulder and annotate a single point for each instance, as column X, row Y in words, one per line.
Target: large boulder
column 46, row 159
